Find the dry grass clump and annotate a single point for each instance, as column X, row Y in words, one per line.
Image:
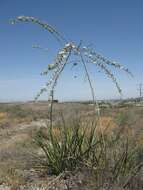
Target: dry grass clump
column 3, row 119
column 3, row 115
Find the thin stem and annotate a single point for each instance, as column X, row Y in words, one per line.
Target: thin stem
column 53, row 88
column 96, row 106
column 51, row 108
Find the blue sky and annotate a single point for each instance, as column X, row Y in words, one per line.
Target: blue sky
column 114, row 27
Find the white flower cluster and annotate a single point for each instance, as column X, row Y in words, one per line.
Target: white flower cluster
column 103, row 63
column 96, row 57
column 57, row 67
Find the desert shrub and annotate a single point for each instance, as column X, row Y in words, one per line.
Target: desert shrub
column 113, row 159
column 66, row 147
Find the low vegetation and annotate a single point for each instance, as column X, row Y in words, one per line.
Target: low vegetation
column 114, row 159
column 74, row 154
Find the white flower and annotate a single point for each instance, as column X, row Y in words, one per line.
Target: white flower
column 61, row 52
column 73, row 46
column 64, row 56
column 52, row 66
column 84, row 48
column 90, row 55
column 20, row 17
column 68, row 45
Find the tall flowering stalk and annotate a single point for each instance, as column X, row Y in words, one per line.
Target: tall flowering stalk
column 85, row 55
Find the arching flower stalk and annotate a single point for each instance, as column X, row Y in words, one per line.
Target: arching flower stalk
column 44, row 25
column 85, row 56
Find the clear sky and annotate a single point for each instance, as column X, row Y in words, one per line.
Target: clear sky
column 114, row 27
